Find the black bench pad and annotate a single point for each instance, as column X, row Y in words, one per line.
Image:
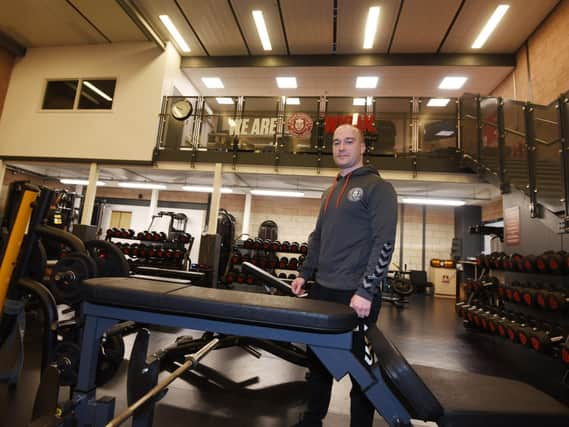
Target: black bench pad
column 220, row 304
column 471, row 399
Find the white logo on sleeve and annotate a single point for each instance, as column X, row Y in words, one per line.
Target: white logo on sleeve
column 355, row 194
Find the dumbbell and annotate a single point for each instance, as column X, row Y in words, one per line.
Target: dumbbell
column 459, row 307
column 292, row 276
column 241, row 277
column 541, row 264
column 524, row 331
column 151, row 252
column 501, row 326
column 250, row 279
column 469, row 313
column 272, row 261
column 125, row 248
column 169, row 253
column 565, row 352
column 528, row 296
column 140, row 235
column 141, row 250
column 293, row 264
column 160, row 253
column 558, row 262
column 516, row 289
column 236, row 258
column 294, row 247
column 304, row 248
column 257, row 243
column 542, row 340
column 248, row 244
column 163, row 236
column 285, row 246
column 267, row 244
column 517, row 262
column 178, row 254
column 133, row 250
column 276, row 246
column 530, row 265
column 230, row 277
column 109, row 234
column 301, row 259
column 282, row 275
column 131, row 233
column 124, row 233
column 557, row 300
column 492, row 323
column 283, row 262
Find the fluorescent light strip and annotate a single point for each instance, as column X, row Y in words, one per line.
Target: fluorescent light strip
column 97, row 90
column 212, row 82
column 262, row 29
column 452, row 82
column 366, row 82
column 286, row 82
column 175, row 33
column 438, row 102
column 142, row 185
column 436, row 202
column 70, row 181
column 277, row 193
column 355, row 119
column 224, row 100
column 490, row 26
column 293, row 101
column 371, row 26
column 204, row 189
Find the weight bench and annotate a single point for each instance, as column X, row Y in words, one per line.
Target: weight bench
column 392, row 385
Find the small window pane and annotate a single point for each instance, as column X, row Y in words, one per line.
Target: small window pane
column 60, row 95
column 97, row 94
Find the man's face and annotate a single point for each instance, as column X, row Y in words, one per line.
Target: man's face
column 347, row 148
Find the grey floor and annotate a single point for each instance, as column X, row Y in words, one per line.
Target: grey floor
column 427, row 333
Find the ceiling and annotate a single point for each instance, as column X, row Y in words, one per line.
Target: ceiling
column 328, row 28
column 319, row 33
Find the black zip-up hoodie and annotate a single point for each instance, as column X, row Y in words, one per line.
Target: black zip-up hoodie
column 353, row 241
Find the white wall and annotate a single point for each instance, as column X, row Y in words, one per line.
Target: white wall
column 144, row 73
column 139, row 222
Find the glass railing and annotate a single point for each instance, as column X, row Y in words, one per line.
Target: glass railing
column 305, row 125
column 520, row 144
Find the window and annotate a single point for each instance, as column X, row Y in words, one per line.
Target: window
column 120, row 219
column 80, row 94
column 60, row 95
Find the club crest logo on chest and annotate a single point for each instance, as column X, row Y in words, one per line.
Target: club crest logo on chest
column 355, row 194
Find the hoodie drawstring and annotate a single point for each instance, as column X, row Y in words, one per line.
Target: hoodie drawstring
column 342, row 191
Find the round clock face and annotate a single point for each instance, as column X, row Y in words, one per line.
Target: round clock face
column 181, row 109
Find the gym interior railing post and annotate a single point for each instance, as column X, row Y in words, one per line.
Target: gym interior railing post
column 563, row 107
column 478, row 130
column 529, row 118
column 504, row 181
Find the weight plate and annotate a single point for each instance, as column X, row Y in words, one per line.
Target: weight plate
column 111, row 355
column 402, row 287
column 109, row 259
column 65, row 278
column 67, row 355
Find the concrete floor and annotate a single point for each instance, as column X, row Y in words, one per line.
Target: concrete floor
column 427, row 333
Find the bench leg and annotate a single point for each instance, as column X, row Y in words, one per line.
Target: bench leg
column 341, row 362
column 90, row 411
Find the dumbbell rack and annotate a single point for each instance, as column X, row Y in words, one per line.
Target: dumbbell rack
column 271, row 256
column 153, row 250
column 527, row 307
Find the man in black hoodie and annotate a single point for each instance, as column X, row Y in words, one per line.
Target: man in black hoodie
column 349, row 253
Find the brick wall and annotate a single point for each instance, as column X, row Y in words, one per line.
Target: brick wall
column 548, row 62
column 6, row 65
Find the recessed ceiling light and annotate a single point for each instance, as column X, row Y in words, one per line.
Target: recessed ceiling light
column 142, row 185
column 437, row 202
column 367, row 82
column 212, row 82
column 175, row 33
column 70, row 181
column 362, row 101
column 286, row 82
column 278, row 193
column 293, row 101
column 371, row 26
column 262, row 29
column 223, row 100
column 452, row 82
column 204, row 189
column 490, row 26
column 438, row 102
column 445, row 133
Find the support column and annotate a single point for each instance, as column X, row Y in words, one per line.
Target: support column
column 246, row 216
column 153, row 205
column 215, row 199
column 90, row 194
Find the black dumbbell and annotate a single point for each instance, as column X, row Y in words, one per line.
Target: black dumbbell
column 285, row 246
column 530, row 265
column 283, row 262
column 294, row 247
column 275, row 246
column 304, row 248
column 544, row 340
column 248, row 244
